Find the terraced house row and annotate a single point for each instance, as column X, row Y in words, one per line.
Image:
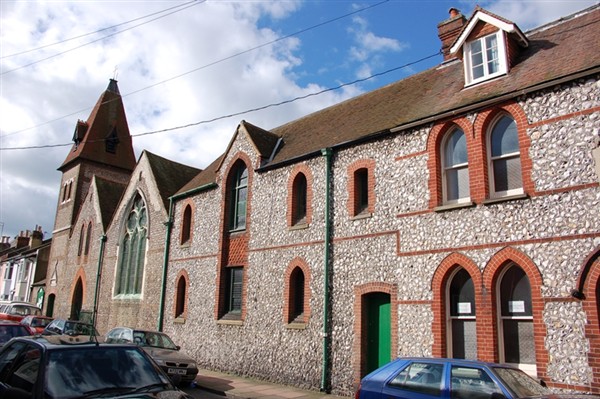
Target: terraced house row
column 452, row 213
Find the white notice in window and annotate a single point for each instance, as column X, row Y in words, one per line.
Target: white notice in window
column 464, row 308
column 516, row 306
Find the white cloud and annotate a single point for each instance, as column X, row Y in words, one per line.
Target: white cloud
column 368, row 47
column 182, row 50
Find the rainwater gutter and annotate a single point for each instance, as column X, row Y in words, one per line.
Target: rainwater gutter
column 325, row 383
column 169, row 226
column 98, row 277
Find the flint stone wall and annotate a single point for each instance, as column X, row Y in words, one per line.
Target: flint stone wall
column 557, row 230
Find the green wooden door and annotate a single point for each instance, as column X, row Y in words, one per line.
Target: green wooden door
column 377, row 327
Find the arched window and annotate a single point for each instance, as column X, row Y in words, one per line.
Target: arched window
column 81, row 240
column 238, row 197
column 186, row 224
column 455, row 168
column 296, row 296
column 133, row 250
column 462, row 334
column 181, row 297
column 88, row 236
column 504, row 158
column 299, row 192
column 516, row 336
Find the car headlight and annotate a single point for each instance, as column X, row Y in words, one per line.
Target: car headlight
column 160, row 362
column 192, row 366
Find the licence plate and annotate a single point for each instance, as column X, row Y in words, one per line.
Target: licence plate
column 177, row 371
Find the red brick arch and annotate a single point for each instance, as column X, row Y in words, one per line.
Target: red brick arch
column 182, row 274
column 182, row 225
column 483, row 123
column 434, row 161
column 302, row 265
column 591, row 306
column 358, row 357
column 491, row 274
column 439, row 283
column 369, row 165
column 305, row 170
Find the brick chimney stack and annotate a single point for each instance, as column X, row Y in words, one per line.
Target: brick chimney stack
column 449, row 30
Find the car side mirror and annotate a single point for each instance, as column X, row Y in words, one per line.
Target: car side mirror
column 177, row 347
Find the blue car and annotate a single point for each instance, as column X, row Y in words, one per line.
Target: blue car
column 429, row 378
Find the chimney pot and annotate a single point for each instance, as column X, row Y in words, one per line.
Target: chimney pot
column 449, row 30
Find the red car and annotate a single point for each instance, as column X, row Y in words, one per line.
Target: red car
column 36, row 323
column 15, row 311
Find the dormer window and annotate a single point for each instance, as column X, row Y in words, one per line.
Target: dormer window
column 485, row 58
column 485, row 54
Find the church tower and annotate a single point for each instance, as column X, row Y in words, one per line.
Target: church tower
column 102, row 147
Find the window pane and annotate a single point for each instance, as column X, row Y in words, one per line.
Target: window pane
column 462, row 295
column 457, row 184
column 504, row 139
column 464, row 339
column 507, row 174
column 235, row 295
column 472, row 383
column 456, row 149
column 477, row 71
column 492, row 54
column 515, row 293
column 420, row 377
column 519, row 346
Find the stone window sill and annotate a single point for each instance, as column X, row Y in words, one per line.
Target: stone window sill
column 444, row 208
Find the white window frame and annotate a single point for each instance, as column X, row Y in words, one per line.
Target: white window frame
column 530, row 369
column 502, row 61
column 445, row 168
column 490, row 161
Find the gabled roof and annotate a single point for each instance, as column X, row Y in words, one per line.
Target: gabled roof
column 170, row 176
column 561, row 51
column 109, row 195
column 263, row 141
column 481, row 15
column 107, row 120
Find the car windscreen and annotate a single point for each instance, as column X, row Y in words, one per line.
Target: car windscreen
column 157, row 340
column 37, row 322
column 80, row 371
column 24, row 310
column 520, row 383
column 74, row 328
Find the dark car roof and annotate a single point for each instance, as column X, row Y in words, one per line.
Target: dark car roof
column 53, row 342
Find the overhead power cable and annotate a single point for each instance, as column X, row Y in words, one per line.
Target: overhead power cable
column 246, row 111
column 97, row 31
column 99, row 39
column 210, row 64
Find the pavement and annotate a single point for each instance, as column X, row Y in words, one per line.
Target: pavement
column 247, row 388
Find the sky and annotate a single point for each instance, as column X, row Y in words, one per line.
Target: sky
column 190, row 71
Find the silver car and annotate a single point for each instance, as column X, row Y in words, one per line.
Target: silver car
column 161, row 348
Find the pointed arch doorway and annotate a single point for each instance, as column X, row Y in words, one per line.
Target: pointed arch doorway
column 77, row 301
